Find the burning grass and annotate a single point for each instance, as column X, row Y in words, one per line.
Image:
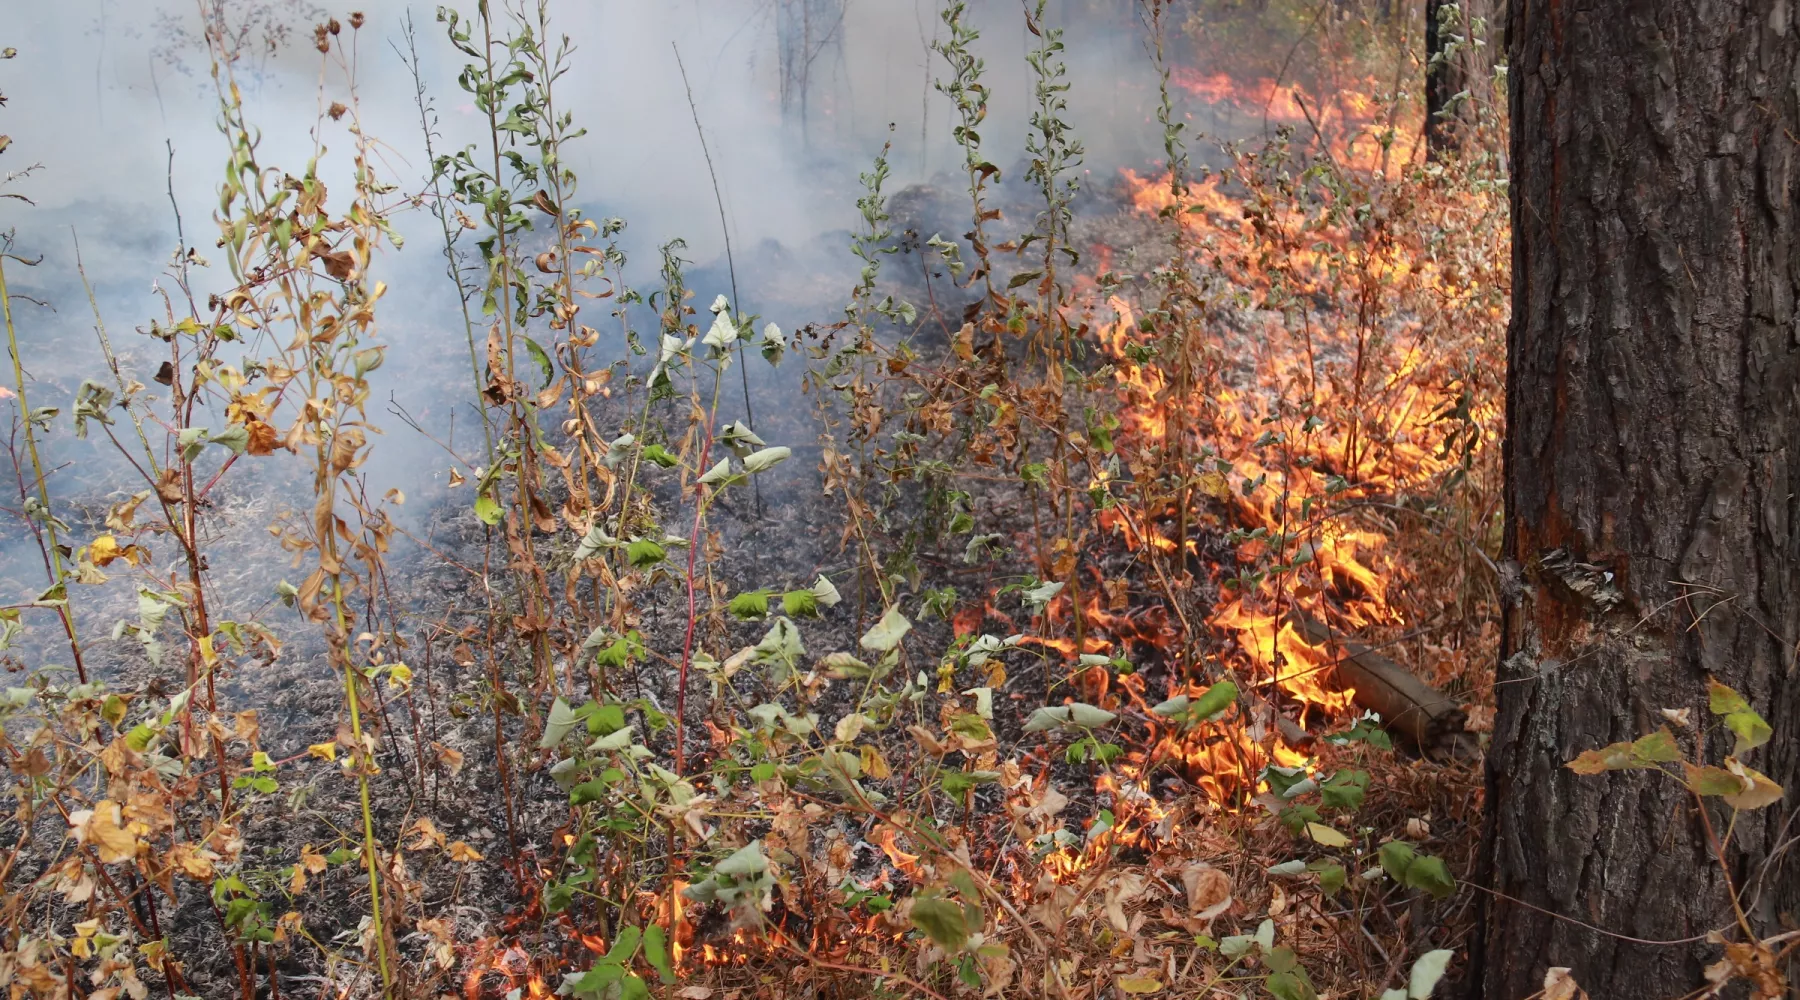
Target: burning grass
column 1052, row 725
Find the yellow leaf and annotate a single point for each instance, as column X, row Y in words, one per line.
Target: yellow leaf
column 323, row 751
column 873, row 763
column 312, row 860
column 460, row 851
column 426, row 835
column 207, row 654
column 1138, row 984
column 1326, row 835
column 104, row 550
column 400, row 677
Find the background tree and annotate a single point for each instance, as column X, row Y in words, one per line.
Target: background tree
column 1652, row 480
column 1459, row 70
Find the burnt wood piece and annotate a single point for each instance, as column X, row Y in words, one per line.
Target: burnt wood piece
column 1425, row 716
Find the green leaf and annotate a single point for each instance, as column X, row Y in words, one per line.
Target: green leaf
column 656, row 952
column 233, row 439
column 941, row 920
column 1345, row 789
column 1331, row 878
column 587, row 791
column 1417, row 871
column 1216, row 699
column 1296, row 816
column 542, row 359
column 488, row 510
column 645, row 552
column 604, row 720
column 958, row 783
column 887, row 633
column 1290, row 986
column 660, row 455
column 750, row 604
column 762, row 771
column 800, row 604
column 624, row 946
column 747, row 860
column 1740, row 718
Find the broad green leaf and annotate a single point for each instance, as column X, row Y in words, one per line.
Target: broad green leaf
column 1331, row 878
column 1177, row 705
column 1290, row 986
column 624, row 946
column 747, row 860
column 800, row 604
column 750, row 604
column 1416, row 871
column 718, row 473
column 656, row 952
column 1217, row 699
column 645, row 552
column 234, row 439
column 942, row 921
column 1345, row 789
column 488, row 510
column 658, row 454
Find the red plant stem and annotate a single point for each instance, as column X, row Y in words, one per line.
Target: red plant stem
column 693, row 618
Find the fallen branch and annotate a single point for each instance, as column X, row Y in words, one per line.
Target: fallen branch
column 1423, row 714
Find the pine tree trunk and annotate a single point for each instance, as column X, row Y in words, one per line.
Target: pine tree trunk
column 1653, row 487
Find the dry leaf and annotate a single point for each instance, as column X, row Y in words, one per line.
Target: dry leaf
column 461, row 851
column 1560, row 985
column 1208, row 890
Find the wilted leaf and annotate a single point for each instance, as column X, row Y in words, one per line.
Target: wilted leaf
column 760, row 461
column 1137, row 984
column 1426, row 972
column 562, row 720
column 887, row 632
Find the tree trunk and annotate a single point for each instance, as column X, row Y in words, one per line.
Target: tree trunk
column 1459, row 71
column 1652, row 523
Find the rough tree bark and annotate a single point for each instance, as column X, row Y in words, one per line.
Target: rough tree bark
column 1652, row 435
column 1458, row 61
